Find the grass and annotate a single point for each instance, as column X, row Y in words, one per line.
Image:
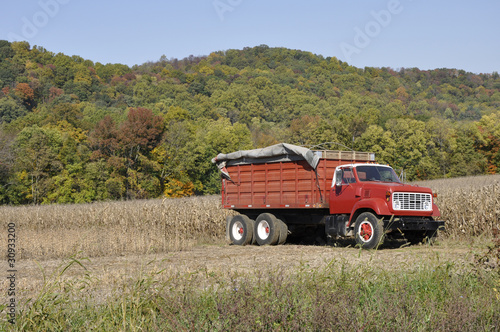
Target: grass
column 342, row 295
column 435, row 296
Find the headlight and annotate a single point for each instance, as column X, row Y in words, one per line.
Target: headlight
column 397, row 205
column 427, row 206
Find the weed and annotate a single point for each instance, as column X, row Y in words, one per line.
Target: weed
column 434, row 296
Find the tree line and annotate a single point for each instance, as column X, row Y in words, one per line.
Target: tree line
column 74, row 131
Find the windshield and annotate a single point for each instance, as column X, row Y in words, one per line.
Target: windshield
column 377, row 173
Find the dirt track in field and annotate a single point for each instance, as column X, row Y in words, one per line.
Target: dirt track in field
column 108, row 273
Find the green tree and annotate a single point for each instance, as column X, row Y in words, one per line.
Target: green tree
column 465, row 159
column 434, row 123
column 412, row 145
column 213, row 138
column 375, row 139
column 10, row 110
column 313, row 130
column 6, row 50
column 36, row 151
column 6, row 164
column 489, row 140
column 175, row 154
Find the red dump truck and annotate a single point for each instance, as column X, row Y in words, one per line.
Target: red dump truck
column 287, row 190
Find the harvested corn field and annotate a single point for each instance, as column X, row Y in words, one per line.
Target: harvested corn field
column 115, row 228
column 470, row 206
column 165, row 264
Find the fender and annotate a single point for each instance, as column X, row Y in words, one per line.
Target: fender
column 378, row 205
column 435, row 210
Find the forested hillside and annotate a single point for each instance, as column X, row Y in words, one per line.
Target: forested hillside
column 72, row 130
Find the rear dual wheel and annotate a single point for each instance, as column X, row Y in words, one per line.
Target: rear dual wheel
column 241, row 230
column 283, row 232
column 270, row 230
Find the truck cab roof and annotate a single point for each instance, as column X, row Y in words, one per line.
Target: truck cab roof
column 364, row 172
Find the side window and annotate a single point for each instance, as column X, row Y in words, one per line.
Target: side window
column 348, row 176
column 343, row 176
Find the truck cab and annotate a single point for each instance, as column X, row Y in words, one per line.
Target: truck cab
column 369, row 201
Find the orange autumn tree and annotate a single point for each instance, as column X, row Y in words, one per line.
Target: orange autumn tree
column 127, row 152
column 26, row 94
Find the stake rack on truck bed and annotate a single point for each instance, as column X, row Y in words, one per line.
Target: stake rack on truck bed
column 286, row 189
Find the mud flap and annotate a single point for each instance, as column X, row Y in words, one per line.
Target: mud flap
column 228, row 221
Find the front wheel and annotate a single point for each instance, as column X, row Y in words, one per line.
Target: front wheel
column 241, row 230
column 369, row 231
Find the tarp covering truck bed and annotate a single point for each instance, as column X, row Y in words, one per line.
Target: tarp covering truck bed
column 281, row 176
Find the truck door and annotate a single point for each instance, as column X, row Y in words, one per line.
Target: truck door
column 342, row 197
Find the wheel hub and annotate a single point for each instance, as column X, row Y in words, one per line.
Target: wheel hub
column 366, row 231
column 263, row 229
column 238, row 231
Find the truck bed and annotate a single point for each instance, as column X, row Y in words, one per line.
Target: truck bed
column 285, row 184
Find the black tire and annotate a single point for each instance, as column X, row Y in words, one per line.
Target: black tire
column 283, row 231
column 266, row 229
column 241, row 230
column 369, row 231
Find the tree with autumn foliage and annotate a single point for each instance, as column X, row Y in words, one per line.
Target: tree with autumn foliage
column 489, row 140
column 150, row 130
column 140, row 133
column 137, row 137
column 127, row 150
column 37, row 160
column 104, row 139
column 25, row 94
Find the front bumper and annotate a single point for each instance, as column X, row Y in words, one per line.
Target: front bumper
column 413, row 224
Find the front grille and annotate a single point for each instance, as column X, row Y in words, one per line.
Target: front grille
column 412, row 201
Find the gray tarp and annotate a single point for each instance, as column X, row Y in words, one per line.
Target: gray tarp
column 273, row 153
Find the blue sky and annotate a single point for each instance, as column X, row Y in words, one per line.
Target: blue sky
column 379, row 33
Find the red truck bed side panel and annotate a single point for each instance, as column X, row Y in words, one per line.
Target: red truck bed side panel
column 291, row 184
